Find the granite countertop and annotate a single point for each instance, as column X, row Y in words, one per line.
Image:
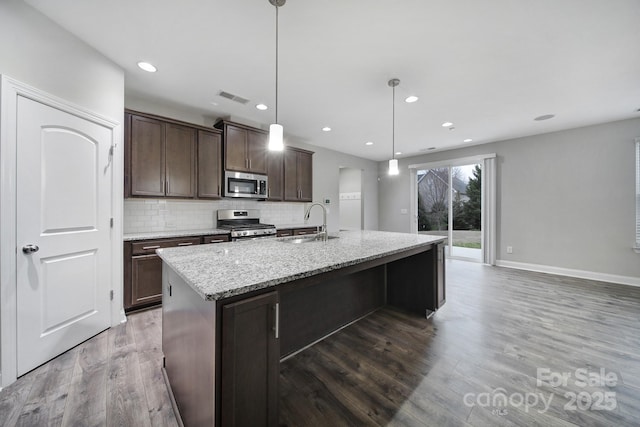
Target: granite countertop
column 227, row 269
column 128, row 237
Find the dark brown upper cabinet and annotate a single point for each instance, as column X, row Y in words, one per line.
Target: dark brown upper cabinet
column 160, row 158
column 209, row 165
column 275, row 173
column 298, row 175
column 245, row 148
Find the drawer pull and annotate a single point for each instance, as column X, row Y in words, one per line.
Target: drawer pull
column 151, row 247
column 216, row 241
column 302, row 232
column 185, row 244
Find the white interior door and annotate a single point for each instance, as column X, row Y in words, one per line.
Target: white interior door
column 63, row 205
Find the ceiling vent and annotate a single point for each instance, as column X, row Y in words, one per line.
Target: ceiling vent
column 233, row 97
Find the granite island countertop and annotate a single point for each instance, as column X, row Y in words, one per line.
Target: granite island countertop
column 227, row 269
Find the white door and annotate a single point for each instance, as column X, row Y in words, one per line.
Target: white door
column 63, row 268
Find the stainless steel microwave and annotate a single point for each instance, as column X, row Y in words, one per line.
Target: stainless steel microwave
column 248, row 185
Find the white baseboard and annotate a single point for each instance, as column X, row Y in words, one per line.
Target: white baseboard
column 582, row 274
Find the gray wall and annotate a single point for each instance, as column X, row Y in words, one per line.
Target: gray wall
column 38, row 52
column 326, row 165
column 564, row 199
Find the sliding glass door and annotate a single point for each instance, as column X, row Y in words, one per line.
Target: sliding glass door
column 449, row 203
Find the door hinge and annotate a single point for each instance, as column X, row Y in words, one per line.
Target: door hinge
column 111, row 294
column 111, row 222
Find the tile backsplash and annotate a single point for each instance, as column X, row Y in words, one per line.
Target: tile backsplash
column 151, row 215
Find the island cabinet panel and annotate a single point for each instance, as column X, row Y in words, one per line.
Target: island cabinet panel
column 416, row 283
column 250, row 362
column 188, row 347
column 309, row 313
column 209, row 165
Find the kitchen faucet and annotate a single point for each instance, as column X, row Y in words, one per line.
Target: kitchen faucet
column 323, row 233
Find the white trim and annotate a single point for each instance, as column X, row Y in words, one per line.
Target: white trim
column 581, row 274
column 636, row 248
column 10, row 89
column 453, row 162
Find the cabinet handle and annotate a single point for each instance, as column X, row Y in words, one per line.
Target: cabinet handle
column 277, row 326
column 168, row 187
column 249, row 163
column 218, row 189
column 151, row 247
column 302, row 232
column 215, row 241
column 185, row 244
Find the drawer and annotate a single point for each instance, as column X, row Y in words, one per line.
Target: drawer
column 150, row 246
column 284, row 232
column 215, row 238
column 303, row 231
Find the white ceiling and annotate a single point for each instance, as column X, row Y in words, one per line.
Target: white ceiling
column 488, row 66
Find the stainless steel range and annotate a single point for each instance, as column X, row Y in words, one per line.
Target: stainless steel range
column 244, row 224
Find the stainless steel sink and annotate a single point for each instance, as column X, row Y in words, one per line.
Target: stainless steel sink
column 306, row 239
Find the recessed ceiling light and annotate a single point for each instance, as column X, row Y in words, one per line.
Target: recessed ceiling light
column 447, row 124
column 326, row 129
column 468, row 140
column 411, row 98
column 147, row 67
column 368, row 143
column 398, row 153
column 261, row 107
column 544, row 117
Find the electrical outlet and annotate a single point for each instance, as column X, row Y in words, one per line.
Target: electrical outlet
column 509, row 249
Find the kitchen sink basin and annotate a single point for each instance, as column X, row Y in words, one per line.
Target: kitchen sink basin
column 306, row 239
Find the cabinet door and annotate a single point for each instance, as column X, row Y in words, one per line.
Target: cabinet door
column 291, row 175
column 209, row 164
column 146, row 145
column 305, row 176
column 257, row 151
column 235, row 149
column 146, row 279
column 180, row 146
column 250, row 362
column 275, row 174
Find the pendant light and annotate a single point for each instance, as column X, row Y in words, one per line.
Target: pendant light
column 276, row 131
column 393, row 163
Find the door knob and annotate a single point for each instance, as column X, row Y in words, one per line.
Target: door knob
column 29, row 249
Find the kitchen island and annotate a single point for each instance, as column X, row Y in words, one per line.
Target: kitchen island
column 232, row 311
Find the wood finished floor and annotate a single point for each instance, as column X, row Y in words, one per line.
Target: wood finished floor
column 497, row 328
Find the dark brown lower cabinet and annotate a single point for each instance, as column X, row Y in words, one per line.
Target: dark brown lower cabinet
column 146, row 280
column 250, row 362
column 143, row 268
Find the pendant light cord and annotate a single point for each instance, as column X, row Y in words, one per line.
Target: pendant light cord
column 277, row 62
column 393, row 124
